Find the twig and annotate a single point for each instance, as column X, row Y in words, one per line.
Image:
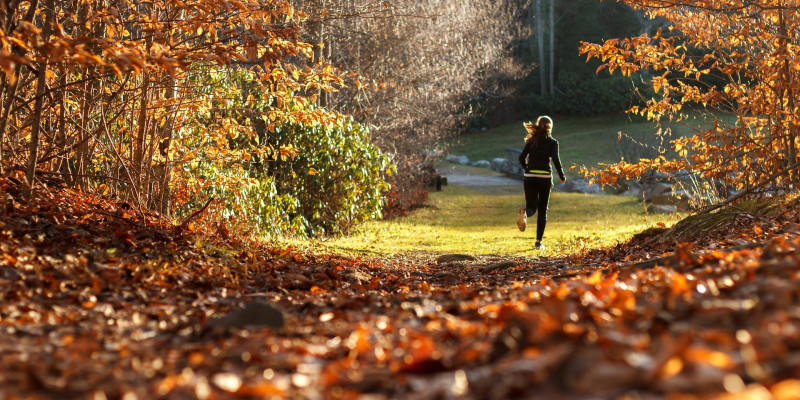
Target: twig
column 194, row 214
column 747, row 191
column 728, row 201
column 119, row 217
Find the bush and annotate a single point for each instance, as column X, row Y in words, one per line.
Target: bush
column 337, row 178
column 272, row 176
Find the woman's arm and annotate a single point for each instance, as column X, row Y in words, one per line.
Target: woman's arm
column 524, row 155
column 557, row 163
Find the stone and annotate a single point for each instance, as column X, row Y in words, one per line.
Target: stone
column 255, row 314
column 433, row 153
column 635, row 192
column 624, row 186
column 654, row 189
column 462, row 160
column 653, row 177
column 579, row 186
column 498, row 164
column 498, row 266
column 507, row 167
column 664, row 208
column 481, row 164
column 449, row 258
column 681, row 203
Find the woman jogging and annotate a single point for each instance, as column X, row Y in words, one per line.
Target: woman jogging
column 539, row 149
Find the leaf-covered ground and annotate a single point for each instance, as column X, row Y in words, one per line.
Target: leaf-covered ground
column 99, row 300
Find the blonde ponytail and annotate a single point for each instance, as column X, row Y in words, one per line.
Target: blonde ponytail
column 530, row 128
column 537, row 131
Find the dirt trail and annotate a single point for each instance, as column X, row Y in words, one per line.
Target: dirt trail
column 484, row 180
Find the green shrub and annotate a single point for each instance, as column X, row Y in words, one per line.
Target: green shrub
column 338, row 178
column 299, row 179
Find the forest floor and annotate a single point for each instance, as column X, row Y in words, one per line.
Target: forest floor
column 100, row 300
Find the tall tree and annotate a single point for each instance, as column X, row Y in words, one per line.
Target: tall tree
column 422, row 68
column 540, row 49
column 563, row 82
column 96, row 91
column 731, row 57
column 551, row 33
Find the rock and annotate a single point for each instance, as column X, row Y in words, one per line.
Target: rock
column 653, row 177
column 664, row 209
column 507, row 167
column 360, row 276
column 9, row 273
column 481, row 164
column 622, row 187
column 498, row 164
column 449, row 258
column 433, row 153
column 635, row 192
column 512, row 166
column 498, row 266
column 663, row 199
column 592, row 370
column 682, row 194
column 256, row 314
column 462, row 160
column 579, row 186
column 654, row 189
column 682, row 203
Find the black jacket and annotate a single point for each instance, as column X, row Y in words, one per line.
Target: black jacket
column 536, row 159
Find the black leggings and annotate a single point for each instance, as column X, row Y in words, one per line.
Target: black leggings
column 537, row 196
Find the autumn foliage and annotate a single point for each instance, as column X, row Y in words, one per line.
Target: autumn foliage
column 155, row 102
column 104, row 300
column 421, row 71
column 736, row 58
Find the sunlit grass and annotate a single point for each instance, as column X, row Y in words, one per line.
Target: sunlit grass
column 462, row 220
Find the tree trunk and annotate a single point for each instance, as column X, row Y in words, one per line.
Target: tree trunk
column 319, row 53
column 531, row 21
column 552, row 61
column 13, row 81
column 138, row 149
column 41, row 85
column 7, row 104
column 61, row 134
column 540, row 48
column 4, row 84
column 33, row 149
column 83, row 156
column 164, row 144
column 788, row 94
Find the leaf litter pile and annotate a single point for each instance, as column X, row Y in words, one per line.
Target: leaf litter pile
column 99, row 300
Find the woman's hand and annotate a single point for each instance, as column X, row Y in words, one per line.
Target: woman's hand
column 563, row 181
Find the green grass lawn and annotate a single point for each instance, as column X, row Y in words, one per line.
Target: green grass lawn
column 582, row 140
column 462, row 220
